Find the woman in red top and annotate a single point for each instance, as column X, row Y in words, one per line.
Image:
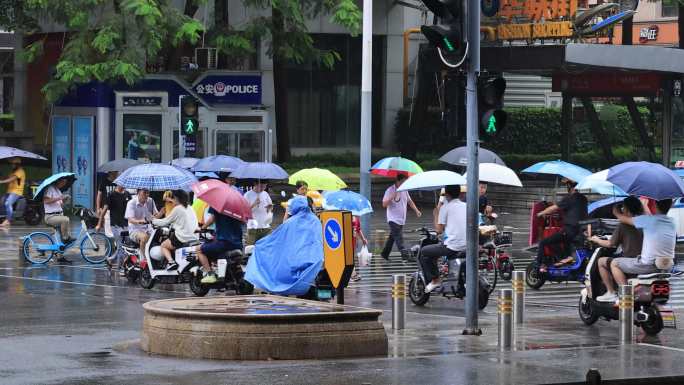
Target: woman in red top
column 356, row 227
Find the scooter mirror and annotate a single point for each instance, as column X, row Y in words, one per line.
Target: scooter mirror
column 283, row 194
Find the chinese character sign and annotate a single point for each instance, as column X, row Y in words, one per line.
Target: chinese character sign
column 535, row 10
column 230, row 89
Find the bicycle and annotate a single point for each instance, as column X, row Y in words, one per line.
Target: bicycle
column 40, row 247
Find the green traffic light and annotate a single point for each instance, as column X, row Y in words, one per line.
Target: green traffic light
column 491, row 125
column 189, row 127
column 448, row 44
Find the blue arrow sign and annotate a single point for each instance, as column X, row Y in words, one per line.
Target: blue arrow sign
column 333, row 233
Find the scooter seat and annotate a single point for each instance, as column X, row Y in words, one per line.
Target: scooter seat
column 654, row 275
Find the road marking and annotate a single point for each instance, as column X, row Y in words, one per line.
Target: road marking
column 660, row 346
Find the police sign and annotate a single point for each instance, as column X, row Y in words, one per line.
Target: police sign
column 230, row 89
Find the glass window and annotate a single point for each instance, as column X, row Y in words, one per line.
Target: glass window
column 248, row 146
column 226, row 143
column 669, row 8
column 142, row 137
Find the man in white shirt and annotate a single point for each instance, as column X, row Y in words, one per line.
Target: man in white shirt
column 139, row 212
column 450, row 220
column 657, row 250
column 262, row 213
column 53, row 199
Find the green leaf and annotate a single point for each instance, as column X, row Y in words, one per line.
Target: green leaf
column 189, row 31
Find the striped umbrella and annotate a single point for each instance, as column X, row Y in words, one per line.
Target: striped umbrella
column 156, row 177
column 393, row 166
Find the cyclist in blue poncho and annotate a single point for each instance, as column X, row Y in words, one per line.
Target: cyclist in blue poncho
column 287, row 261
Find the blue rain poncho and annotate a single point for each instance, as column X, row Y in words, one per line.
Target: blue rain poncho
column 287, row 261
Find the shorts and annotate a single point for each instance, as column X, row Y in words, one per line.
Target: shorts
column 136, row 236
column 175, row 242
column 634, row 266
column 215, row 249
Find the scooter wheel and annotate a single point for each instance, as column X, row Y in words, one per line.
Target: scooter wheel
column 533, row 277
column 586, row 313
column 196, row 285
column 146, row 281
column 244, row 287
column 655, row 322
column 482, row 298
column 417, row 291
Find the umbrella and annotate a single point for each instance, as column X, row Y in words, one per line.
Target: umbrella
column 11, row 152
column 598, row 183
column 560, row 168
column 647, row 179
column 679, row 172
column 69, row 176
column 218, row 163
column 347, row 200
column 496, row 173
column 156, row 177
column 459, row 157
column 603, row 203
column 223, row 199
column 259, row 170
column 395, row 165
column 432, row 180
column 186, row 163
column 318, row 179
column 118, row 165
column 201, row 174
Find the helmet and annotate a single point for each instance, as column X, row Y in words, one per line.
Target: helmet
column 156, row 253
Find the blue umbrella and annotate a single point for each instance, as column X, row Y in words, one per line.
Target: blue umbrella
column 647, row 179
column 259, row 170
column 186, row 163
column 69, row 176
column 218, row 163
column 598, row 183
column 347, row 200
column 603, row 203
column 679, row 172
column 201, row 174
column 559, row 167
column 11, row 152
column 156, row 177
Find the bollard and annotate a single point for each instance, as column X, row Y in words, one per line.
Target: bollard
column 626, row 308
column 398, row 301
column 518, row 283
column 505, row 319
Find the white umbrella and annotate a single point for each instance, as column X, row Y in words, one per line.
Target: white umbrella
column 496, row 173
column 432, row 180
column 598, row 183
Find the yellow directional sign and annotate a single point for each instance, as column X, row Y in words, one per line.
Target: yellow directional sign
column 338, row 253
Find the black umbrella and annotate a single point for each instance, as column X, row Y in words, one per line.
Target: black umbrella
column 459, row 157
column 119, row 165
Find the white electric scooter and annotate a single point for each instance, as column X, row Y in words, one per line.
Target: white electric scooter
column 153, row 266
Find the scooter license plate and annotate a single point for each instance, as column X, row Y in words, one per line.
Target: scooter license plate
column 324, row 294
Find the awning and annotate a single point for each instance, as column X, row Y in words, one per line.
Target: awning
column 632, row 57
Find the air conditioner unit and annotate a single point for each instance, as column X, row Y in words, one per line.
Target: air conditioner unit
column 206, row 58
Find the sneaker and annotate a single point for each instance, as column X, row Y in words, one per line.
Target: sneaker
column 172, row 266
column 355, row 277
column 608, row 297
column 432, row 286
column 68, row 241
column 209, row 279
column 385, row 257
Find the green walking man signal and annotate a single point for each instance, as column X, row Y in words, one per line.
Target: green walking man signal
column 491, row 126
column 189, row 127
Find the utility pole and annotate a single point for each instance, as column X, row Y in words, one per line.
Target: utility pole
column 473, row 144
column 366, row 107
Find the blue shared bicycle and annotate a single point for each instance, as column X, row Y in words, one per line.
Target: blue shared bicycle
column 40, row 247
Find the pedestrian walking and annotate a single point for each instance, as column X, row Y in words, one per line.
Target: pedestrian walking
column 396, row 203
column 262, row 212
column 115, row 205
column 16, row 181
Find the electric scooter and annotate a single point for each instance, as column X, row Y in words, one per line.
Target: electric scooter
column 452, row 272
column 230, row 271
column 153, row 266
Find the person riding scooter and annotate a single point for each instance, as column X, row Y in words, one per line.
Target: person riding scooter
column 574, row 209
column 228, row 237
column 450, row 220
column 625, row 236
column 183, row 222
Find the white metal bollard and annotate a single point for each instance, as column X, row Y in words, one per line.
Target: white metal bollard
column 505, row 309
column 626, row 307
column 398, row 301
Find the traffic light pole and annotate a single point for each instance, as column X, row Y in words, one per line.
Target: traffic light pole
column 181, row 145
column 366, row 108
column 472, row 198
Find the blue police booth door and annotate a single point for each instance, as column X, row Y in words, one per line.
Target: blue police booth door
column 333, row 234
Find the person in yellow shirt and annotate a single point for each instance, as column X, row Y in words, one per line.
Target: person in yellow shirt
column 16, row 181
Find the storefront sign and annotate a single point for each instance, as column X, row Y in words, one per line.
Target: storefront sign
column 607, row 84
column 61, row 144
column 538, row 9
column 230, row 89
column 142, row 101
column 551, row 30
column 648, row 34
column 84, row 161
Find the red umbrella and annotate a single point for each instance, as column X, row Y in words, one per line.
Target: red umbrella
column 223, row 198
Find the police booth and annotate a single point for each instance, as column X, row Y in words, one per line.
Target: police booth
column 99, row 122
